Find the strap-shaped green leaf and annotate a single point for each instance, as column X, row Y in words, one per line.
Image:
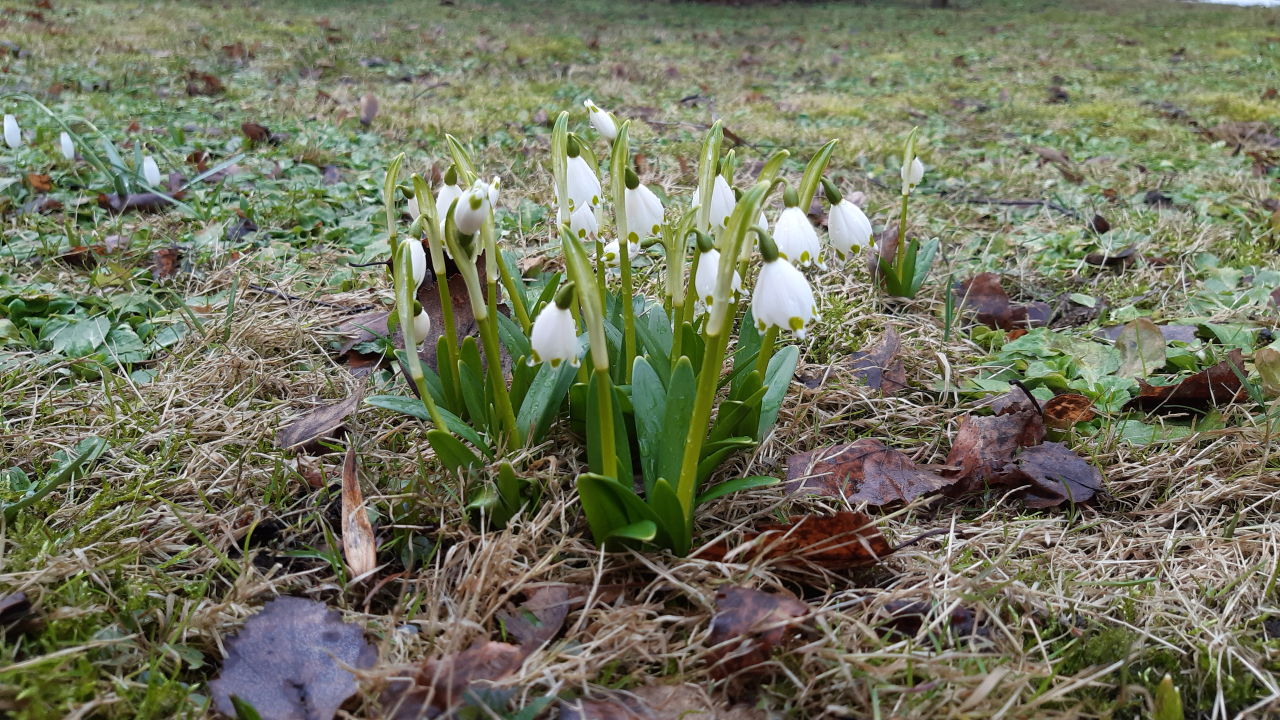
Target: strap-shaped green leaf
column 87, row 452
column 451, row 400
column 731, row 413
column 676, row 520
column 473, row 395
column 413, row 408
column 512, row 337
column 773, row 166
column 735, row 485
column 924, row 261
column 643, row 531
column 649, row 405
column 605, row 512
column 543, row 400
column 777, row 379
column 462, row 159
column 724, row 448
column 452, row 453
column 813, row 174
column 675, row 425
column 622, row 444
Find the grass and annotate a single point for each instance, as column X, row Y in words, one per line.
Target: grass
column 194, row 517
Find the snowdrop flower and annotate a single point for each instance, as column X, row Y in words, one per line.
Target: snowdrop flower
column 912, row 168
column 12, row 135
column 473, row 207
column 848, row 228
column 414, row 211
column 644, row 209
column 554, row 338
column 722, row 202
column 150, row 171
column 448, row 193
column 796, row 238
column 68, row 147
column 421, row 326
column 418, row 257
column 611, row 256
column 705, row 281
column 782, row 298
column 583, row 225
column 601, row 121
column 584, row 186
column 493, row 191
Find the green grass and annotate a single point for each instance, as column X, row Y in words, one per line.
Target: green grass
column 139, row 569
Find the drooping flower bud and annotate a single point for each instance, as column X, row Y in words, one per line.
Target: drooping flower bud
column 782, row 296
column 473, row 208
column 705, row 281
column 12, row 135
column 418, row 256
column 848, row 228
column 553, row 337
column 68, row 147
column 150, row 171
column 448, row 193
column 722, row 202
column 601, row 121
column 583, row 185
column 644, row 209
column 797, row 240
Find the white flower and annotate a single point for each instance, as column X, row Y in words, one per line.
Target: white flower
column 150, row 171
column 601, row 121
column 414, row 212
column 611, row 257
column 644, row 213
column 796, row 238
column 68, row 147
column 584, row 186
column 473, row 208
column 722, row 202
column 553, row 338
column 418, row 258
column 493, row 191
column 848, row 228
column 583, row 225
column 705, row 281
column 912, row 175
column 421, row 326
column 12, row 135
column 782, row 298
column 448, row 193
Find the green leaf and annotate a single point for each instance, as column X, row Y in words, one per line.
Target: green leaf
column 449, row 399
column 76, row 337
column 1168, row 704
column 675, row 519
column 69, row 468
column 1140, row 434
column 782, row 366
column 679, row 412
column 692, row 345
column 473, row 395
column 649, row 406
column 522, row 375
column 921, row 265
column 773, row 166
column 733, row 486
column 244, row 711
column 731, row 414
column 413, row 407
column 124, row 347
column 452, row 453
column 724, row 449
column 622, row 444
column 813, row 174
column 542, row 401
column 429, row 378
column 643, row 531
column 605, row 512
column 512, row 336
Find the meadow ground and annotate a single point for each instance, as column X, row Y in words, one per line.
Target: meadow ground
column 1034, row 117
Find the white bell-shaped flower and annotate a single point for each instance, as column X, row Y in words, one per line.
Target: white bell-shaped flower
column 554, row 338
column 421, row 326
column 704, row 282
column 912, row 175
column 601, row 121
column 848, row 228
column 644, row 209
column 418, row 256
column 12, row 135
column 583, row 225
column 722, row 202
column 583, row 185
column 412, row 208
column 611, row 256
column 493, row 191
column 150, row 171
column 68, row 147
column 782, row 298
column 447, row 194
column 797, row 240
column 473, row 208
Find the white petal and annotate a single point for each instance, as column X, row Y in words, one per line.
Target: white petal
column 150, row 171
column 849, row 230
column 413, row 208
column 472, row 209
column 796, row 239
column 644, row 213
column 68, row 147
column 12, row 135
column 722, row 202
column 584, row 186
column 448, row 193
column 553, row 337
column 704, row 282
column 783, row 298
column 583, row 225
column 418, row 257
column 601, row 121
column 421, row 327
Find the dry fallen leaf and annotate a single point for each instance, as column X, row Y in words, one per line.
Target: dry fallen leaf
column 1218, row 385
column 357, row 533
column 862, row 471
column 538, row 619
column 1268, row 363
column 255, row 132
column 368, row 109
column 747, row 625
column 165, row 262
column 655, row 702
column 287, row 662
column 983, row 295
column 1067, row 409
column 881, row 367
column 39, row 183
column 1055, row 475
column 984, row 444
column 323, row 422
column 141, row 202
column 1124, row 257
column 905, row 618
column 836, row 542
column 1141, row 346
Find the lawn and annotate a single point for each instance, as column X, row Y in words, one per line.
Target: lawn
column 1112, row 163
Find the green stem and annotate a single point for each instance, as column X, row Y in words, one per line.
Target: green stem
column 601, row 269
column 690, row 297
column 628, row 311
column 708, row 379
column 500, row 394
column 766, row 351
column 517, row 297
column 608, row 446
column 450, row 333
column 404, row 307
column 899, row 262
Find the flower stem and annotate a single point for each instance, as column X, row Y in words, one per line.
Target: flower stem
column 899, row 258
column 601, row 269
column 608, row 446
column 516, row 297
column 501, row 396
column 766, row 350
column 450, row 332
column 403, row 265
column 628, row 311
column 708, row 380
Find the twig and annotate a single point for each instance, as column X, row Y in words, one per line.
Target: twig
column 321, row 303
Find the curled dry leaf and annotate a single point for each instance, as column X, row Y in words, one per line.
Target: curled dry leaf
column 368, row 108
column 984, row 444
column 165, row 263
column 881, row 367
column 39, row 183
column 255, row 133
column 538, row 619
column 1218, row 385
column 904, row 619
column 655, row 702
column 357, row 533
column 1067, row 409
column 837, row 542
column 1141, row 346
column 1123, row 257
column 862, row 471
column 323, row 422
column 747, row 625
column 986, row 299
column 287, row 662
column 140, row 202
column 1053, row 474
column 1267, row 361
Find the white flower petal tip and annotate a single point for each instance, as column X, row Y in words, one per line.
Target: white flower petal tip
column 796, row 239
column 554, row 339
column 783, row 298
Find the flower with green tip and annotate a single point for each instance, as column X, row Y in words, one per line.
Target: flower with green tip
column 601, row 121
column 447, row 194
column 583, row 225
column 797, row 240
column 848, row 228
column 473, row 207
column 554, row 338
column 583, row 185
column 644, row 209
column 722, row 202
column 12, row 135
column 782, row 296
column 611, row 256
